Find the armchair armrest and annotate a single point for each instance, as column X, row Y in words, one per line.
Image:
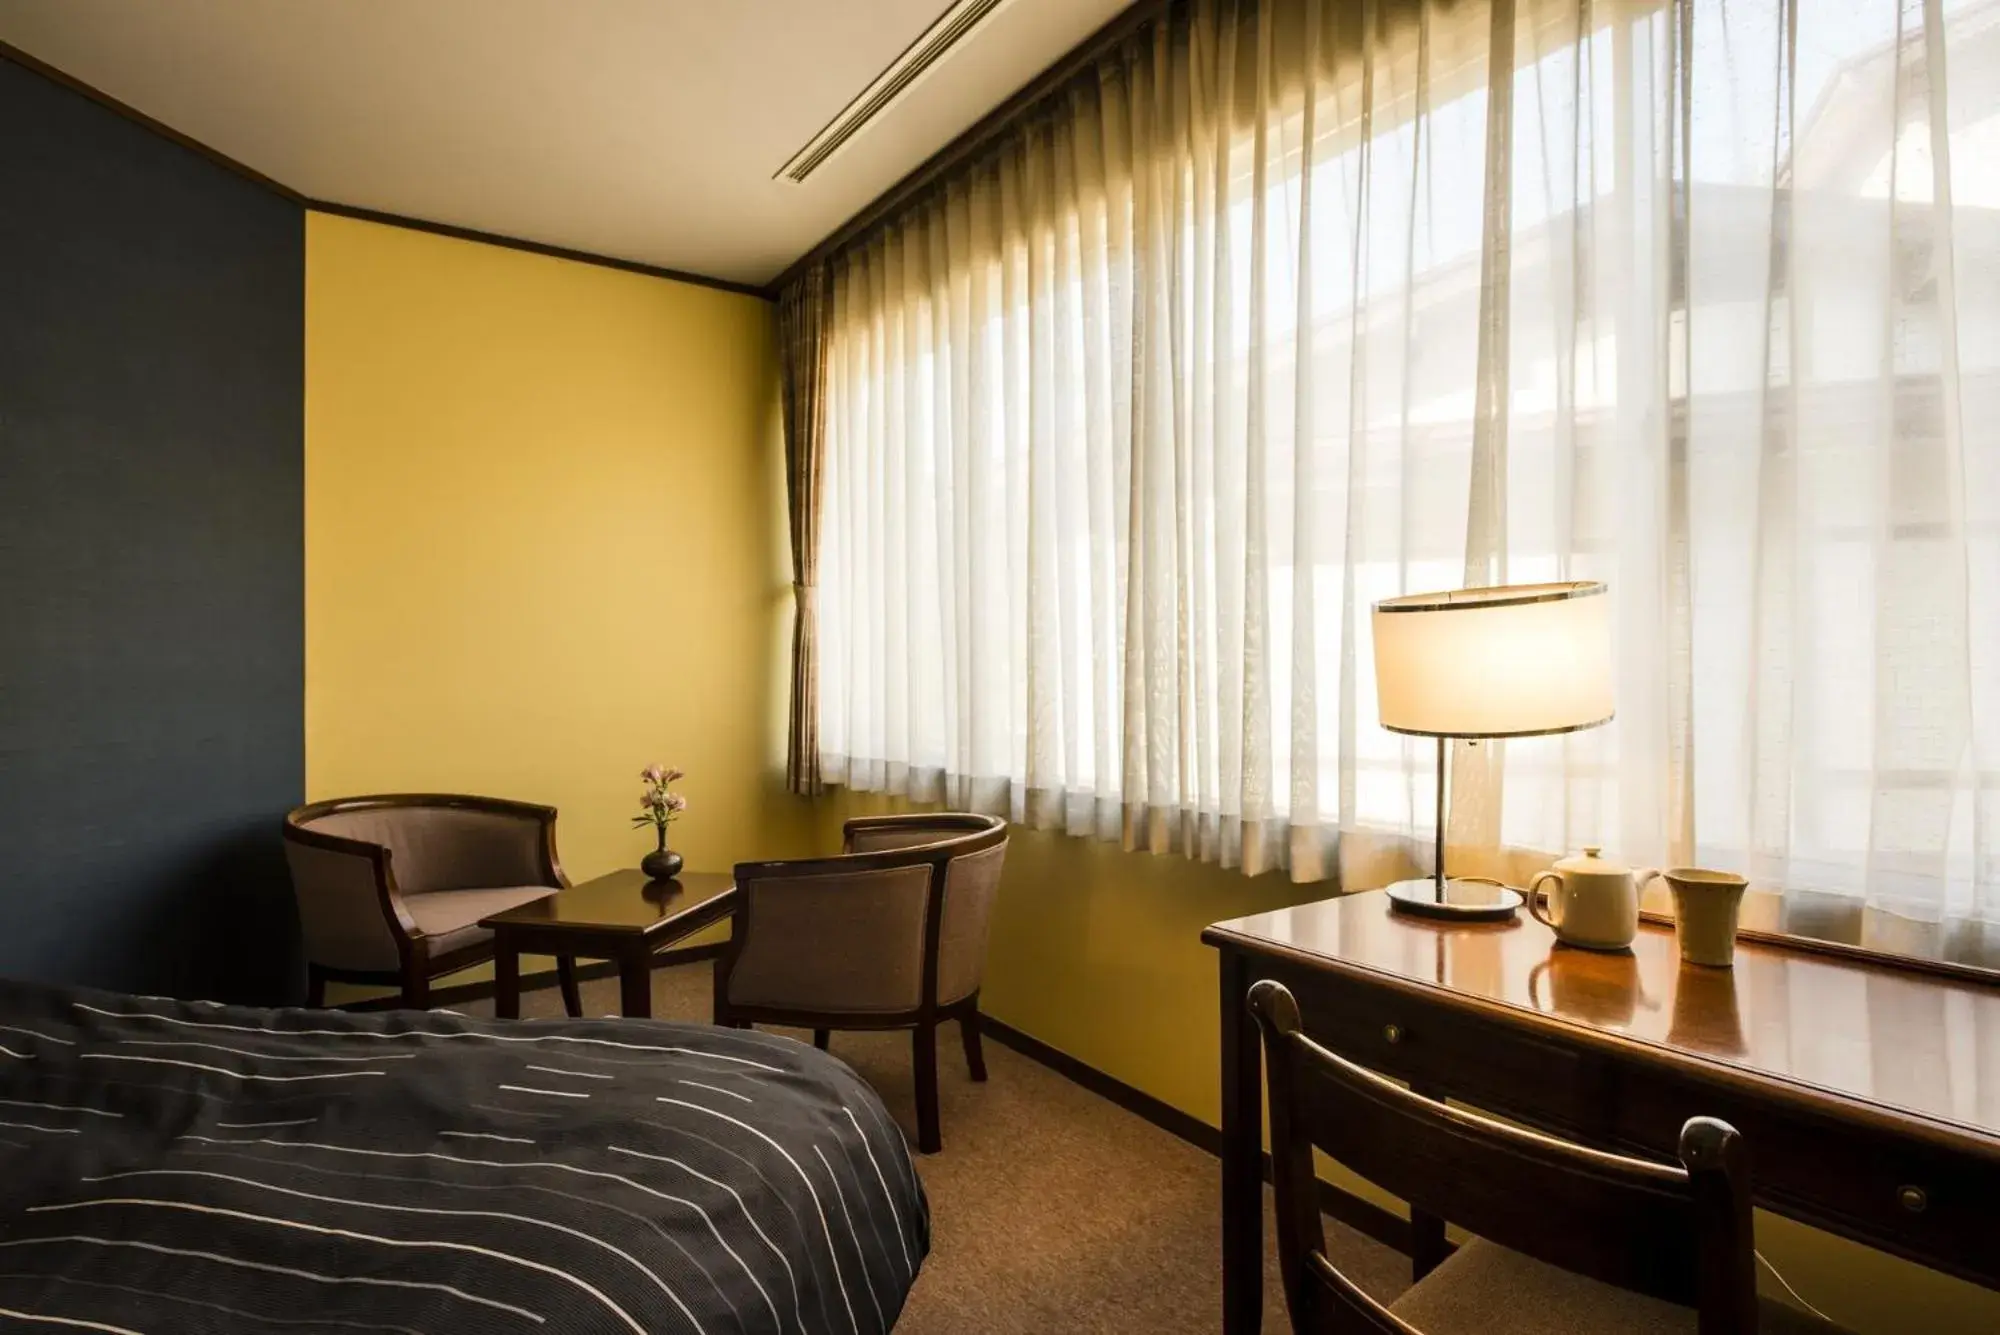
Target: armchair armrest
column 349, row 911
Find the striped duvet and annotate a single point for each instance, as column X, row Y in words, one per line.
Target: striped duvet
column 167, row 1166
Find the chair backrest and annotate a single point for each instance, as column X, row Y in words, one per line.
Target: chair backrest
column 971, row 883
column 353, row 858
column 874, row 834
column 442, row 841
column 896, row 925
column 1678, row 1234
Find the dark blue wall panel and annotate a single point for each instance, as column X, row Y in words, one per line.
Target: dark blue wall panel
column 151, row 556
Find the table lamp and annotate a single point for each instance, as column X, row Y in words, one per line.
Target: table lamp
column 1519, row 660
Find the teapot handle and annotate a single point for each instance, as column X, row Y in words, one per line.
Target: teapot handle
column 1535, row 900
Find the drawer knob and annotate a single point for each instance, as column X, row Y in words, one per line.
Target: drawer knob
column 1912, row 1199
column 1393, row 1032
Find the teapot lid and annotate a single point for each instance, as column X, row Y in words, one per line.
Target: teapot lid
column 1592, row 860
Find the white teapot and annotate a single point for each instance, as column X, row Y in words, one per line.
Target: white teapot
column 1594, row 903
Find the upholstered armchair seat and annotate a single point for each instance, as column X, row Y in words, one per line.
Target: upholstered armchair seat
column 450, row 918
column 391, row 889
column 890, row 934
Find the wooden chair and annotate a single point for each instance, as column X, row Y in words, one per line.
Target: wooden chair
column 391, row 888
column 1568, row 1239
column 891, row 934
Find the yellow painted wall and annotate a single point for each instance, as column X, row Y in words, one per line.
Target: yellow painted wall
column 545, row 540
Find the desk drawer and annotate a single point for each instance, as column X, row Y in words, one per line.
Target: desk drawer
column 1447, row 1050
column 1854, row 1176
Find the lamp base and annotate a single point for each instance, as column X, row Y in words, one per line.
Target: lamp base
column 1465, row 900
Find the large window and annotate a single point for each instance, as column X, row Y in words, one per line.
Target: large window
column 1275, row 315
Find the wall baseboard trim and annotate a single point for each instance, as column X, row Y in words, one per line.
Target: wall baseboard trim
column 1159, row 1112
column 31, row 63
column 1363, row 1216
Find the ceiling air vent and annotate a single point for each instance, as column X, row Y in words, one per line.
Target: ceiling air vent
column 935, row 42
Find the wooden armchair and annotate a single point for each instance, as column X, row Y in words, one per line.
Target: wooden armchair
column 891, row 934
column 391, row 888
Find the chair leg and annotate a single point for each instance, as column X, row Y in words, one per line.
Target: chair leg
column 718, row 1008
column 315, row 987
column 416, row 988
column 821, row 1037
column 968, row 1031
column 924, row 1051
column 566, row 980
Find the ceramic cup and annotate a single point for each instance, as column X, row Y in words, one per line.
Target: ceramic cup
column 1706, row 905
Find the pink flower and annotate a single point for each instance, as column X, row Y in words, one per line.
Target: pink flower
column 654, row 774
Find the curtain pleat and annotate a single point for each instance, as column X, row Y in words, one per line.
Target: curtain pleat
column 1286, row 307
column 805, row 350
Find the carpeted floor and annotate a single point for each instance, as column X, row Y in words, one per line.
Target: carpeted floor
column 1052, row 1209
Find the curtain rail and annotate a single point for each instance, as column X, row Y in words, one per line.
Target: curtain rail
column 983, row 132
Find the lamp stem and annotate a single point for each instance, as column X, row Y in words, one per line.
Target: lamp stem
column 1438, row 865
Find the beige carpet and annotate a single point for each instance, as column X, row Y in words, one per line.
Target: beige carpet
column 1052, row 1210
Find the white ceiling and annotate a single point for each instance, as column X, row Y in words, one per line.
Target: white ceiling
column 646, row 130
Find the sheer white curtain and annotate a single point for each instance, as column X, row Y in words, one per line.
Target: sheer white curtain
column 1289, row 307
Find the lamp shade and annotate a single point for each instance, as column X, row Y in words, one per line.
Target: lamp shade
column 1512, row 661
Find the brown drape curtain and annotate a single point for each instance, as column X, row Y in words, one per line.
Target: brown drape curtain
column 805, row 323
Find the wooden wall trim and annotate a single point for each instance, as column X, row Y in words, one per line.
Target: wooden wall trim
column 1182, row 1125
column 223, row 160
column 8, row 51
column 1364, row 1216
column 983, row 131
column 535, row 247
column 988, row 128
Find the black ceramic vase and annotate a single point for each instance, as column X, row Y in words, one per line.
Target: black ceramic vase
column 662, row 864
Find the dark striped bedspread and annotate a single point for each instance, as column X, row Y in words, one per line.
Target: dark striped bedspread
column 167, row 1166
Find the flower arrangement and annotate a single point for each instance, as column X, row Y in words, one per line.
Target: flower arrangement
column 659, row 807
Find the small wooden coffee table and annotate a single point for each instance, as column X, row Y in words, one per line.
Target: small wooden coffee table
column 623, row 917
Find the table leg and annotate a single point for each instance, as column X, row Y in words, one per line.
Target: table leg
column 566, row 979
column 1427, row 1242
column 506, row 980
column 1242, row 1154
column 635, row 984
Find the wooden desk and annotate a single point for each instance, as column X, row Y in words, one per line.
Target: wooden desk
column 1869, row 1093
column 623, row 917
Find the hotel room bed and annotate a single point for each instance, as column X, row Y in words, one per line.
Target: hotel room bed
column 171, row 1166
